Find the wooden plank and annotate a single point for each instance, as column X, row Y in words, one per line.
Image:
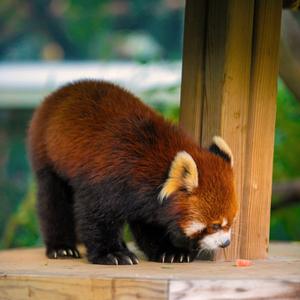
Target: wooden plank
column 289, row 59
column 283, row 264
column 227, row 82
column 238, row 87
column 261, row 130
column 234, row 289
column 62, row 288
column 193, row 67
column 29, row 274
column 291, row 4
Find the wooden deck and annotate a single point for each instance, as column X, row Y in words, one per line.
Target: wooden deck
column 28, row 274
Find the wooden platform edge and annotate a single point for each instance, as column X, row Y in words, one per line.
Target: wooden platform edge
column 234, row 289
column 15, row 287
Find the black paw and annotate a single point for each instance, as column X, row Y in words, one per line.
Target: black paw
column 115, row 258
column 62, row 252
column 177, row 256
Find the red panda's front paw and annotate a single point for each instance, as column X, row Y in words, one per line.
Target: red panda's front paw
column 62, row 252
column 174, row 257
column 115, row 258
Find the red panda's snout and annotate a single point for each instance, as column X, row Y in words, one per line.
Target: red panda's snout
column 210, row 237
column 204, row 193
column 221, row 238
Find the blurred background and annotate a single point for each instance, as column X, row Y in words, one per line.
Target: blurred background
column 137, row 44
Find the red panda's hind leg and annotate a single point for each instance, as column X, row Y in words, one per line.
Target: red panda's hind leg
column 156, row 243
column 56, row 217
column 101, row 228
column 109, row 249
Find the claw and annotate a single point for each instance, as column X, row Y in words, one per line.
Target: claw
column 172, row 259
column 65, row 253
column 181, row 258
column 116, row 261
column 163, row 258
column 136, row 261
column 188, row 258
column 76, row 254
column 55, row 254
column 70, row 252
column 129, row 260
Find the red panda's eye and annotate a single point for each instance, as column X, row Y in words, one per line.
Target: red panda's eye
column 216, row 226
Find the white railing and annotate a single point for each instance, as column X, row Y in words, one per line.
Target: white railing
column 24, row 85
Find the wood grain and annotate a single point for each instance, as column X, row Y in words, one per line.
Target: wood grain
column 230, row 90
column 62, row 288
column 227, row 82
column 289, row 59
column 225, row 77
column 255, row 209
column 193, row 67
column 234, row 289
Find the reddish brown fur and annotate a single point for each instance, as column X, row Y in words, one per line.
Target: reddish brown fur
column 210, row 204
column 93, row 148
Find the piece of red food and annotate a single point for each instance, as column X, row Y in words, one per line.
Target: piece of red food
column 243, row 263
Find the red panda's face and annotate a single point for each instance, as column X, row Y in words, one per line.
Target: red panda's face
column 210, row 220
column 204, row 194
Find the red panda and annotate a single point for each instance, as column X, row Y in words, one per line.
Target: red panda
column 103, row 158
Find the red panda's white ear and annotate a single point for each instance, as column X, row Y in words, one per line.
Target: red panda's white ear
column 183, row 174
column 220, row 148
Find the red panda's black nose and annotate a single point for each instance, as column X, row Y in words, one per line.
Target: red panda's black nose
column 225, row 244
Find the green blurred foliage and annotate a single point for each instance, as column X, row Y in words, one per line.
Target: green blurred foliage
column 285, row 223
column 14, row 168
column 97, row 29
column 287, row 137
column 21, row 229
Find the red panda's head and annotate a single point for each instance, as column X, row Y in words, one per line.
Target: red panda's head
column 202, row 192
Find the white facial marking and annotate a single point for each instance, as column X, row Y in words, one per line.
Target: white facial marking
column 194, row 227
column 215, row 240
column 224, row 223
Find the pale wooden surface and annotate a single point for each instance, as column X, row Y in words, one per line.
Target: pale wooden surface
column 229, row 87
column 29, row 274
column 256, row 204
column 227, row 81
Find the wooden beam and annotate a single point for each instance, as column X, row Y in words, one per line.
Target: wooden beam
column 291, row 4
column 227, row 80
column 228, row 84
column 256, row 204
column 193, row 67
column 195, row 289
column 62, row 287
column 289, row 59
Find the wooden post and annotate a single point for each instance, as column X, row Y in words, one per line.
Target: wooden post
column 193, row 68
column 261, row 129
column 233, row 94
